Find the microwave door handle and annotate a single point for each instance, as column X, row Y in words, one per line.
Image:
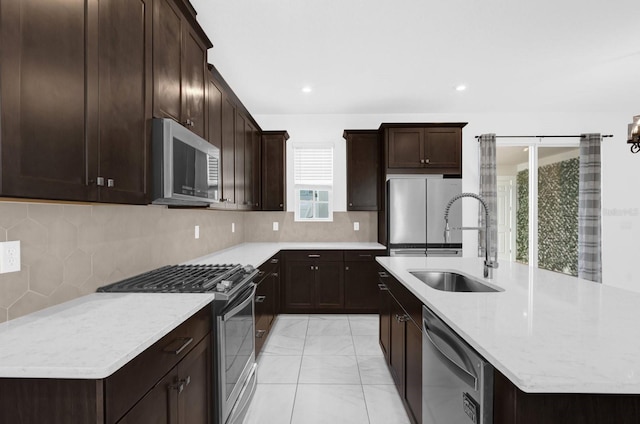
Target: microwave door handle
column 460, row 372
column 242, row 305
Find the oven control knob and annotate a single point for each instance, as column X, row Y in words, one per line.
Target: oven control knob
column 223, row 285
column 248, row 269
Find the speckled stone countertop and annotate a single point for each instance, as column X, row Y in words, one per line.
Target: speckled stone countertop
column 93, row 336
column 547, row 332
column 257, row 253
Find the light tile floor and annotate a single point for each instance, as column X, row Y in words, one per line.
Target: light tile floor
column 317, row 369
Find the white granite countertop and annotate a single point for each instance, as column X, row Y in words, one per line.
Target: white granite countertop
column 547, row 332
column 257, row 253
column 93, row 336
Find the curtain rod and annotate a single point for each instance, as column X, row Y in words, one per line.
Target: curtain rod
column 543, row 136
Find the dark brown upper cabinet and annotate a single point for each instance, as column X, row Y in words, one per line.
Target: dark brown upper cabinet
column 75, row 99
column 363, row 170
column 180, row 65
column 433, row 148
column 274, row 163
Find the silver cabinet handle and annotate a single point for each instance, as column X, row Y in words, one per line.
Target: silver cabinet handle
column 426, row 161
column 110, row 182
column 346, row 268
column 313, row 256
column 402, row 318
column 260, row 333
column 350, row 204
column 316, row 268
column 421, row 160
column 178, row 345
column 311, row 267
column 275, row 275
column 100, row 181
column 281, row 205
column 365, row 256
column 383, row 274
column 260, row 299
column 274, row 260
column 383, row 287
column 181, row 384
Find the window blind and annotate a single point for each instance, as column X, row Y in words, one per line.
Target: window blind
column 313, row 166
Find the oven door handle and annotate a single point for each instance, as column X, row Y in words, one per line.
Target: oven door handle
column 234, row 308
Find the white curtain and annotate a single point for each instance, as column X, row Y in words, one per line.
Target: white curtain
column 589, row 210
column 488, row 191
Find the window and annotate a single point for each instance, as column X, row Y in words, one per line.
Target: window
column 313, row 180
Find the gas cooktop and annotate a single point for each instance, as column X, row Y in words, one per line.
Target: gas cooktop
column 186, row 279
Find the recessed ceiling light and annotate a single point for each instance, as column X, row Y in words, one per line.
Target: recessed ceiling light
column 306, row 89
column 461, row 87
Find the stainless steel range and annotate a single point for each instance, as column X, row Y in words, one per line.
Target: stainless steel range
column 234, row 322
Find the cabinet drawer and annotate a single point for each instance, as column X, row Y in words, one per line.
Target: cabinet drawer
column 131, row 382
column 314, row 255
column 362, row 255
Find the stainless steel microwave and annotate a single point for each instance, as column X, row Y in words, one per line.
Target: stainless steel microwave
column 186, row 168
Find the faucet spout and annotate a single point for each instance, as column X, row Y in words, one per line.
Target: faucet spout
column 489, row 263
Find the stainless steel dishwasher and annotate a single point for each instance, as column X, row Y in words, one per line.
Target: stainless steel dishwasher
column 457, row 383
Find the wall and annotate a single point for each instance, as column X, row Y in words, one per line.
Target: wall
column 69, row 250
column 620, row 168
column 259, row 227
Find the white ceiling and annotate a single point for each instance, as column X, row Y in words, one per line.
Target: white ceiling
column 406, row 56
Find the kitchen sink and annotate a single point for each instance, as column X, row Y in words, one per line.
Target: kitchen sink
column 452, row 282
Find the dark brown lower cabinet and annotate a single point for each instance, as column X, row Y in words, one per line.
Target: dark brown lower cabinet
column 267, row 299
column 170, row 382
column 361, row 281
column 513, row 406
column 313, row 281
column 182, row 396
column 401, row 343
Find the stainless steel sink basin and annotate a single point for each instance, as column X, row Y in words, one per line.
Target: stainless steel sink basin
column 452, row 281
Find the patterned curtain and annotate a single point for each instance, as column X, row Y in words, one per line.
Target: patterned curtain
column 589, row 210
column 488, row 190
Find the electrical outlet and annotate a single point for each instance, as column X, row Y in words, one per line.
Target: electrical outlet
column 233, row 227
column 196, row 232
column 275, row 226
column 356, row 226
column 9, row 256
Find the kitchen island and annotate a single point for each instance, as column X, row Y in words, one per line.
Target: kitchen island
column 564, row 349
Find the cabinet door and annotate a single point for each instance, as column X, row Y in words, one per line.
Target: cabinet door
column 43, row 56
column 241, row 139
column 273, row 172
column 299, row 285
column 159, row 406
column 167, row 60
column 363, row 171
column 405, row 148
column 193, row 85
column 413, row 370
column 228, row 152
column 252, row 168
column 361, row 286
column 443, row 149
column 194, row 371
column 397, row 343
column 124, row 99
column 384, row 305
column 329, row 285
column 214, row 112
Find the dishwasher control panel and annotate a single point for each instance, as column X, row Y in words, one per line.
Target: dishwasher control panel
column 471, row 408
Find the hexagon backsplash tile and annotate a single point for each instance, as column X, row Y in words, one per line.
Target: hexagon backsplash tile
column 70, row 250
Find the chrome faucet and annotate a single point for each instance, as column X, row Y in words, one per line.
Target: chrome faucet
column 489, row 264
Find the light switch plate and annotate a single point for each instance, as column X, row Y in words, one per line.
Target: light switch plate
column 233, row 227
column 196, row 232
column 356, row 226
column 275, row 226
column 9, row 256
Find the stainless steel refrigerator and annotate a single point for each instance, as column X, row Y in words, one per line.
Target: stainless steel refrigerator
column 416, row 216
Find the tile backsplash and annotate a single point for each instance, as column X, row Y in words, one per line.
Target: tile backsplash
column 69, row 250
